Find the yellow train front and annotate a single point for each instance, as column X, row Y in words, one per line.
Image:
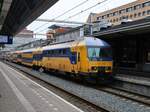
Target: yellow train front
column 89, row 58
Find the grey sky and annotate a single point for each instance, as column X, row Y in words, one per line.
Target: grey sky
column 63, row 5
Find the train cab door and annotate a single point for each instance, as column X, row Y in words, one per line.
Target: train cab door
column 73, row 61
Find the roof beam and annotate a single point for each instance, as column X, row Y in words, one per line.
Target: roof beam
column 5, row 8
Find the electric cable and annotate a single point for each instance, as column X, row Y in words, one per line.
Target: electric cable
column 64, row 13
column 80, row 12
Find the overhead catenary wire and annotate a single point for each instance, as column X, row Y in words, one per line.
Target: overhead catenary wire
column 80, row 12
column 59, row 22
column 85, row 1
column 85, row 10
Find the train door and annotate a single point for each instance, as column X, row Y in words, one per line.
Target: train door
column 73, row 61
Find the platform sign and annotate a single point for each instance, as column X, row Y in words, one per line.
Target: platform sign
column 4, row 39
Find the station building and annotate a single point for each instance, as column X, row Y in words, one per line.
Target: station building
column 135, row 10
column 130, row 46
column 56, row 29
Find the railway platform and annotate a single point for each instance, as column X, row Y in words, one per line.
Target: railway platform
column 20, row 94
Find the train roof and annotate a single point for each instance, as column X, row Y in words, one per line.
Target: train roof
column 92, row 41
column 30, row 50
column 86, row 41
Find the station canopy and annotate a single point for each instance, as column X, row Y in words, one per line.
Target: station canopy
column 139, row 27
column 17, row 14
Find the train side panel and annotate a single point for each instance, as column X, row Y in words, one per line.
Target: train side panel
column 58, row 59
column 27, row 58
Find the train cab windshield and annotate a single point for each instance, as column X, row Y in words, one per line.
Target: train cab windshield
column 97, row 53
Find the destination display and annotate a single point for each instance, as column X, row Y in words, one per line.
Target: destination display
column 4, row 39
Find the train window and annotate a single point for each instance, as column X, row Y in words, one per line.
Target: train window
column 52, row 52
column 106, row 52
column 64, row 51
column 96, row 53
column 56, row 52
column 60, row 51
column 93, row 52
column 49, row 52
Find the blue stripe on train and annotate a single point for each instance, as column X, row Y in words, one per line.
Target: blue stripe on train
column 28, row 60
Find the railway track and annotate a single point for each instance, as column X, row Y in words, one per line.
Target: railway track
column 126, row 95
column 86, row 105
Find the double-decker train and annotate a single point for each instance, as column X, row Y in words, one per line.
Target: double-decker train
column 85, row 58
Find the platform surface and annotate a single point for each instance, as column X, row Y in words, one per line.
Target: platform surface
column 20, row 94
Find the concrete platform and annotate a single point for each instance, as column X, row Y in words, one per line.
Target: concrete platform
column 20, row 94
